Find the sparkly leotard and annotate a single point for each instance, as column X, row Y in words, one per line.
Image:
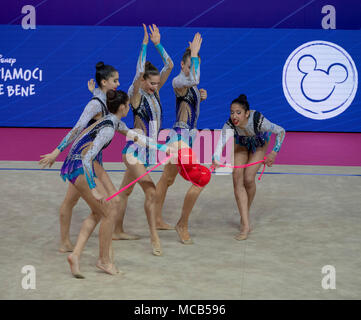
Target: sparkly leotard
column 92, row 141
column 255, row 134
column 187, row 106
column 97, row 105
column 86, row 147
column 148, row 115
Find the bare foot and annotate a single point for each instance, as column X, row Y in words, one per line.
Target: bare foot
column 161, row 225
column 157, row 249
column 125, row 236
column 183, row 235
column 66, row 247
column 74, row 266
column 243, row 235
column 109, row 268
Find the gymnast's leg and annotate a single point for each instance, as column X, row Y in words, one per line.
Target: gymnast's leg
column 137, row 169
column 65, row 213
column 166, row 180
column 189, row 202
column 100, row 212
column 240, row 193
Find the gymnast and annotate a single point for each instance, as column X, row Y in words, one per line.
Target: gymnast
column 107, row 78
column 184, row 132
column 251, row 132
column 147, row 111
column 78, row 168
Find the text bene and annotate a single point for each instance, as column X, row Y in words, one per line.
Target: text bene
column 19, row 74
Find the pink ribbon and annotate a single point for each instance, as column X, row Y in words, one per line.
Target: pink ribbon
column 143, row 175
column 211, row 169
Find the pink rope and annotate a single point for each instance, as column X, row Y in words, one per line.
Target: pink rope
column 143, row 175
column 212, row 168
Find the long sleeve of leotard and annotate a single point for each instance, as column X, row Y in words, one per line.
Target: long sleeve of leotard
column 140, row 67
column 182, row 81
column 90, row 111
column 226, row 134
column 104, row 136
column 139, row 138
column 268, row 126
column 165, row 57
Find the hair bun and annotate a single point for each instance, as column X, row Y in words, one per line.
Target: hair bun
column 100, row 65
column 242, row 97
column 111, row 94
column 150, row 69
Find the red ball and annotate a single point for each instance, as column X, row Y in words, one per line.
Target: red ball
column 189, row 172
column 197, row 174
column 194, row 173
column 205, row 176
column 187, row 158
column 182, row 172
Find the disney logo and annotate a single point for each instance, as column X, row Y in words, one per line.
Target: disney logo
column 11, row 61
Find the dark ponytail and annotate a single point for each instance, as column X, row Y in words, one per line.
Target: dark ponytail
column 103, row 72
column 115, row 98
column 242, row 101
column 150, row 70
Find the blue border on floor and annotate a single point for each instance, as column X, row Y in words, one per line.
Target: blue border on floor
column 293, row 173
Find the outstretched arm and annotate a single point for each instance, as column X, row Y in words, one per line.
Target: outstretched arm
column 90, row 111
column 141, row 139
column 168, row 63
column 133, row 91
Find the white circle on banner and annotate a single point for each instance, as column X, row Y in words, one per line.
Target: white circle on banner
column 319, row 80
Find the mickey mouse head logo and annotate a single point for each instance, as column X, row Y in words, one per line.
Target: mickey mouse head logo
column 319, row 80
column 326, row 80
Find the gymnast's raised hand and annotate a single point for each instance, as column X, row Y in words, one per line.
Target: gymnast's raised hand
column 155, row 34
column 91, row 85
column 195, row 45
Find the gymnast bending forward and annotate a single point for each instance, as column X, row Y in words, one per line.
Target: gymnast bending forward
column 251, row 132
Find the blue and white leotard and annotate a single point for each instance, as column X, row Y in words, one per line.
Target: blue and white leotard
column 187, row 106
column 96, row 106
column 256, row 133
column 92, row 141
column 148, row 115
